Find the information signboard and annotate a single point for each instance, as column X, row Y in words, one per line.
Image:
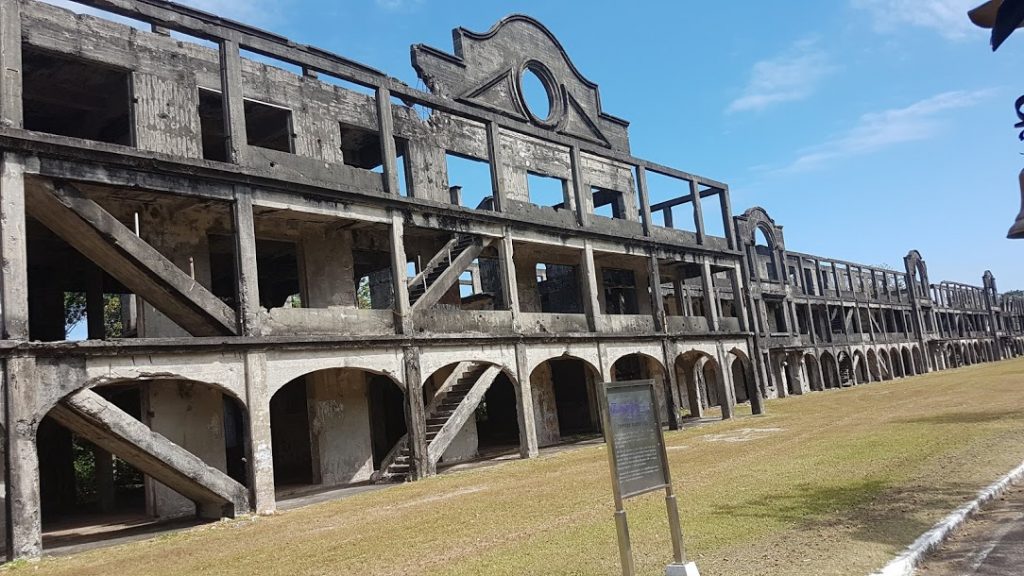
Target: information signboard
column 639, row 463
column 636, row 438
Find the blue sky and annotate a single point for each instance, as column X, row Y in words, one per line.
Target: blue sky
column 866, row 127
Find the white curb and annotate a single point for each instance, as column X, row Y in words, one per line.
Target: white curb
column 905, row 563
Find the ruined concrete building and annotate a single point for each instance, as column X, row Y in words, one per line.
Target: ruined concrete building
column 298, row 271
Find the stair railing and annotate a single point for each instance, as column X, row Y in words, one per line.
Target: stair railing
column 446, row 251
column 390, row 458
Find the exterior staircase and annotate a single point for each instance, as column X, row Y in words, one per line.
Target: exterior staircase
column 447, row 412
column 443, row 270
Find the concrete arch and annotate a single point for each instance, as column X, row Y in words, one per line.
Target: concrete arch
column 907, row 361
column 814, row 378
column 283, row 368
column 952, row 358
column 847, row 376
column 896, row 358
column 885, row 364
column 564, row 396
column 830, row 371
column 704, row 382
column 860, row 367
column 503, row 357
column 537, row 355
column 743, row 379
column 335, row 426
column 873, row 368
column 640, row 366
column 919, row 364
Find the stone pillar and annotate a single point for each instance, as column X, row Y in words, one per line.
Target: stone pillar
column 248, row 278
column 672, row 398
column 710, row 305
column 726, row 392
column 415, row 416
column 528, row 445
column 736, row 278
column 24, row 537
column 233, row 102
column 509, row 282
column 14, row 289
column 105, row 490
column 591, row 304
column 657, row 299
column 260, row 447
column 698, row 212
column 399, row 276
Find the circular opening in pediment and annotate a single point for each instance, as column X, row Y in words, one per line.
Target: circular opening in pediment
column 538, row 95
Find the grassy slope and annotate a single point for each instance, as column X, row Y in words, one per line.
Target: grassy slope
column 829, row 483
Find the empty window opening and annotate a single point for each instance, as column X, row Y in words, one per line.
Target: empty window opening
column 469, row 182
column 466, row 284
column 374, row 287
column 277, row 264
column 664, row 194
column 711, row 209
column 619, row 291
column 559, row 289
column 360, row 148
column 546, row 190
column 538, row 97
column 764, row 256
column 76, row 98
column 608, row 203
column 268, row 126
column 223, row 276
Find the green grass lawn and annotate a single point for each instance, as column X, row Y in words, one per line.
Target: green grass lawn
column 829, row 483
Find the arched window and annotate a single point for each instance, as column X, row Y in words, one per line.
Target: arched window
column 764, row 251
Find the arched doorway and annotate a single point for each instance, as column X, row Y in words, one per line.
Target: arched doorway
column 334, row 427
column 704, row 383
column 101, row 453
column 830, row 371
column 908, row 361
column 847, row 377
column 873, row 368
column 860, row 367
column 885, row 364
column 644, row 367
column 565, row 400
column 813, row 372
column 919, row 367
column 897, row 363
column 743, row 380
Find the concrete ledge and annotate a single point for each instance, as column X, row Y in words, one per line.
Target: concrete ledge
column 909, row 559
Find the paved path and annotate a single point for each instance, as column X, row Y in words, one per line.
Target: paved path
column 990, row 544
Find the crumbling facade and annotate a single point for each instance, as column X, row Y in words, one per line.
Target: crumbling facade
column 296, row 271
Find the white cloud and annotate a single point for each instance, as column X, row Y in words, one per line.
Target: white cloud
column 788, row 77
column 875, row 131
column 947, row 17
column 398, row 5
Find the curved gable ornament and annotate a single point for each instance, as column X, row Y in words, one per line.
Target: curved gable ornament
column 487, row 71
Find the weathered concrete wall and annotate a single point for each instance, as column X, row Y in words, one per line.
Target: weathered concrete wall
column 340, row 426
column 191, row 416
column 545, row 409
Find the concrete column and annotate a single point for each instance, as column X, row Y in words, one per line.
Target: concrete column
column 509, row 283
column 798, row 372
column 24, row 537
column 399, row 276
column 736, row 277
column 95, row 305
column 584, row 202
column 415, row 416
column 11, row 114
column 726, row 392
column 672, row 398
column 710, row 304
column 14, row 288
column 657, row 299
column 528, row 444
column 698, row 212
column 730, row 232
column 386, row 130
column 591, row 292
column 245, row 247
column 260, row 447
column 233, row 102
column 104, row 462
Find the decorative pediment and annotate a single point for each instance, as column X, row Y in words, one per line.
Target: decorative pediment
column 488, row 70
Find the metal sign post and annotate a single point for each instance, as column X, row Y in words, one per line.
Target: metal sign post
column 639, row 464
